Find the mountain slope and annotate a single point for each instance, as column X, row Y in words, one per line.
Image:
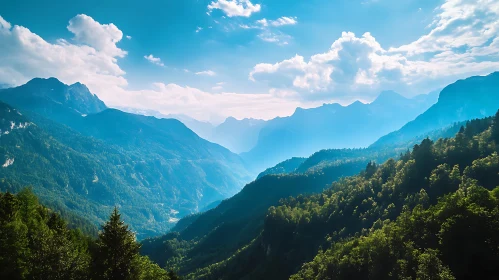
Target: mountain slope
column 53, row 99
column 352, row 220
column 237, row 135
column 474, row 97
column 240, row 219
column 333, row 126
column 159, row 164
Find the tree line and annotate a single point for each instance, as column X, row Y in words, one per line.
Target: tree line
column 36, row 243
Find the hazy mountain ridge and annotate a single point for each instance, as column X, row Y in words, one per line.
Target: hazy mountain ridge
column 236, row 135
column 334, row 126
column 154, row 161
column 474, row 97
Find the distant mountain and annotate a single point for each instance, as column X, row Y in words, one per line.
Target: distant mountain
column 333, row 126
column 474, row 97
column 201, row 128
column 119, row 158
column 237, row 135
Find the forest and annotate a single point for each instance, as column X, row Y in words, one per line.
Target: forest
column 37, row 243
column 431, row 213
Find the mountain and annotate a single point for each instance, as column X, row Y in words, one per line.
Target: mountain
column 237, row 135
column 51, row 98
column 430, row 212
column 201, row 128
column 157, row 169
column 333, row 126
column 474, row 97
column 240, row 219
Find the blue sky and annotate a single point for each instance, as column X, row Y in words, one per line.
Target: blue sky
column 247, row 58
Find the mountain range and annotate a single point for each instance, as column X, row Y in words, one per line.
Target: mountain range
column 466, row 99
column 265, row 143
column 159, row 170
column 236, row 135
column 271, row 236
column 88, row 158
column 334, row 126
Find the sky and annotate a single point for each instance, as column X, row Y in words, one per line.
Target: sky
column 247, row 58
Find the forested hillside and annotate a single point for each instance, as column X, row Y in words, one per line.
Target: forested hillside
column 36, row 243
column 378, row 153
column 386, row 222
column 80, row 156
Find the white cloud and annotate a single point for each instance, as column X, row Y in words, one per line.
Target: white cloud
column 25, row 55
column 235, row 8
column 269, row 32
column 275, row 37
column 198, row 29
column 218, row 86
column 463, row 41
column 206, row 73
column 102, row 37
column 4, row 25
column 154, row 60
column 459, row 23
column 129, row 37
column 278, row 22
column 176, row 99
column 263, row 22
column 93, row 61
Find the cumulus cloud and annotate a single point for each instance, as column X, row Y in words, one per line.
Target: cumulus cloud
column 235, row 8
column 90, row 60
column 459, row 23
column 463, row 41
column 154, row 60
column 206, row 73
column 25, row 55
column 128, row 37
column 102, row 37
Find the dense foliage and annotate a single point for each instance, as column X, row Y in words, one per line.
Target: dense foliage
column 431, row 214
column 36, row 243
column 218, row 233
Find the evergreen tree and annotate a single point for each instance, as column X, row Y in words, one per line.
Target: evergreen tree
column 495, row 128
column 116, row 250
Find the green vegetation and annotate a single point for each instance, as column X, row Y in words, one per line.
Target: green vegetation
column 155, row 170
column 431, row 214
column 36, row 243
